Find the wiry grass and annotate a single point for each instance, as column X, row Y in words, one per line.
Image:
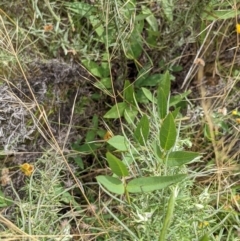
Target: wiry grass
column 222, row 152
column 222, row 72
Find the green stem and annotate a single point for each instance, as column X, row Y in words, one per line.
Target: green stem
column 169, row 215
column 52, row 12
column 126, row 192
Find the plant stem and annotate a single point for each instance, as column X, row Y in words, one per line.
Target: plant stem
column 126, row 192
column 169, row 215
column 52, row 12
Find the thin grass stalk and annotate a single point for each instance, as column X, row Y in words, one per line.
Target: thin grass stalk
column 169, row 215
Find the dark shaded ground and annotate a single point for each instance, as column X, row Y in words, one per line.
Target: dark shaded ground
column 66, row 94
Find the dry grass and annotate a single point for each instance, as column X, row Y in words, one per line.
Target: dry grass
column 216, row 64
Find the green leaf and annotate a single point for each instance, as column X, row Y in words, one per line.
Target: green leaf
column 116, row 111
column 118, row 142
column 157, row 151
column 91, row 134
column 162, row 103
column 152, row 80
column 140, row 17
column 152, row 21
column 141, row 98
column 166, row 83
column 82, row 9
column 142, row 131
column 78, row 160
column 168, row 133
column 130, row 114
column 175, row 112
column 98, row 28
column 152, row 37
column 87, row 147
column 134, row 49
column 112, row 184
column 105, row 69
column 128, row 9
column 128, row 93
column 149, row 95
column 135, row 44
column 167, row 7
column 116, row 165
column 204, row 238
column 103, row 84
column 4, row 201
column 90, row 13
column 174, row 100
column 176, row 68
column 149, row 184
column 179, row 158
column 93, row 68
column 128, row 159
column 207, row 132
column 143, row 74
column 219, row 14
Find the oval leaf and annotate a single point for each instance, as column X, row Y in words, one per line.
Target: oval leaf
column 119, row 142
column 116, row 111
column 128, row 92
column 92, row 67
column 178, row 158
column 130, row 114
column 168, row 133
column 166, row 83
column 116, row 165
column 142, row 131
column 152, row 80
column 168, row 7
column 149, row 95
column 112, row 184
column 162, row 103
column 175, row 99
column 175, row 112
column 152, row 21
column 149, row 184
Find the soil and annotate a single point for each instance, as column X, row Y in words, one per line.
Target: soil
column 58, row 87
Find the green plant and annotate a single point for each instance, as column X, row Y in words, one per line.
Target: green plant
column 167, row 162
column 147, row 191
column 129, row 108
column 5, row 201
